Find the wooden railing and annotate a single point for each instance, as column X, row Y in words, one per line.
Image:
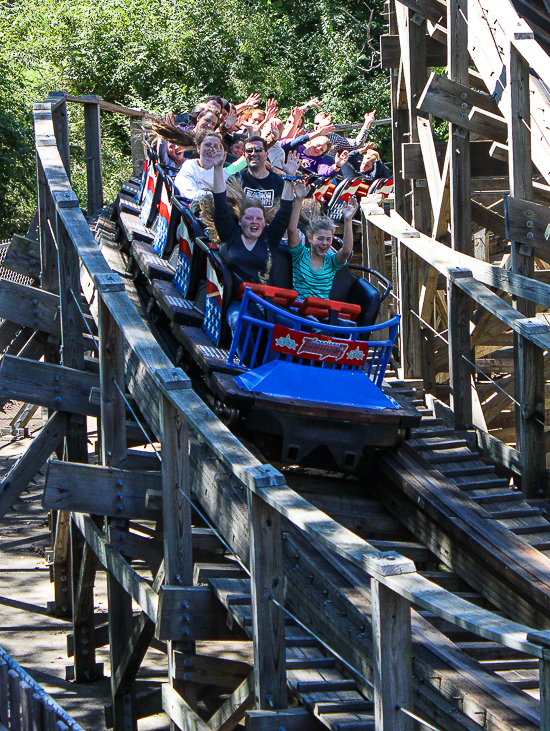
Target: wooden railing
column 198, row 451
column 25, row 705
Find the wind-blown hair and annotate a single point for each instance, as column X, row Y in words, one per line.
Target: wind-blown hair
column 314, row 218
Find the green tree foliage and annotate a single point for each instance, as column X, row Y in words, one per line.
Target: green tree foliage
column 168, row 54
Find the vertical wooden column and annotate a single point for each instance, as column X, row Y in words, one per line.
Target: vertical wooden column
column 391, row 630
column 113, row 451
column 374, row 257
column 136, row 144
column 176, row 511
column 92, row 137
column 61, row 127
column 412, row 37
column 544, row 681
column 528, row 358
column 458, row 303
column 266, row 578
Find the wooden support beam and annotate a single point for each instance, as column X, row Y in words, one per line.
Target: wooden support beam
column 205, row 670
column 453, row 100
column 30, row 307
column 83, row 488
column 188, row 614
column 92, row 140
column 23, row 257
column 488, row 219
column 391, row 628
column 8, row 331
column 62, row 578
column 56, row 387
column 266, row 576
column 390, row 52
column 83, row 569
column 113, row 454
column 482, row 163
column 234, row 708
column 180, row 712
column 458, row 304
column 433, row 10
column 544, row 675
column 49, row 277
column 292, row 719
column 36, row 455
column 529, row 364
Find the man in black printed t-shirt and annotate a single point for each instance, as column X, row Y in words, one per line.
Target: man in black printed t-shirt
column 257, row 180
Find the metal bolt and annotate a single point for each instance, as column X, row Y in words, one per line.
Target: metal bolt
column 109, row 454
column 121, row 536
column 119, row 496
column 36, row 322
column 119, row 508
column 464, row 95
column 56, row 377
column 464, row 115
column 35, row 302
column 530, row 235
column 464, row 105
column 185, row 603
column 185, row 630
column 122, row 550
column 84, row 630
column 57, row 389
column 85, row 641
column 31, row 252
column 31, row 271
column 85, row 651
column 528, row 212
column 35, row 312
column 32, row 261
column 186, row 618
column 118, row 483
column 188, row 663
column 187, row 676
column 65, row 608
column 58, row 399
column 529, row 224
column 62, row 578
column 64, row 589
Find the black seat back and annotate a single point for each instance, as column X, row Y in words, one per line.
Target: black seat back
column 282, row 267
column 346, row 287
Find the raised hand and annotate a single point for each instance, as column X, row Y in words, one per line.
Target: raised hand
column 271, row 103
column 349, row 208
column 312, row 103
column 326, row 127
column 218, row 156
column 270, row 114
column 292, row 163
column 252, row 101
column 341, row 158
column 300, row 189
column 365, row 148
column 369, row 116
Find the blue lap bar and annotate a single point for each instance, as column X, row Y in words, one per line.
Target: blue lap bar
column 322, row 385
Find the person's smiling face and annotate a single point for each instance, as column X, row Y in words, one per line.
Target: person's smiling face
column 321, row 241
column 209, row 146
column 252, row 223
column 317, row 146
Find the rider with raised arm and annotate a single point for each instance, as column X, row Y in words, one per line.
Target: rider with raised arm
column 313, row 268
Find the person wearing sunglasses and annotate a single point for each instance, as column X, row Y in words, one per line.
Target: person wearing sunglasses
column 257, row 181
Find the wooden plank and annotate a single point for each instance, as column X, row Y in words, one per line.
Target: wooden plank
column 488, row 219
column 180, row 712
column 83, row 564
column 527, row 223
column 30, row 306
column 390, row 52
column 83, row 488
column 453, row 100
column 56, row 387
column 391, row 627
column 36, row 455
column 427, row 146
column 197, row 668
column 458, row 304
column 46, row 212
column 234, row 708
column 544, row 681
column 111, row 559
column 92, row 141
column 4, row 693
column 482, row 164
column 188, row 614
column 268, row 618
column 23, row 257
column 292, row 719
column 433, row 10
column 15, row 700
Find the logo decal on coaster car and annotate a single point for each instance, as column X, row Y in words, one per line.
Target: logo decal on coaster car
column 319, row 347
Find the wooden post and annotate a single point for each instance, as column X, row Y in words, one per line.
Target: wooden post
column 544, row 681
column 528, row 358
column 4, row 693
column 176, row 512
column 374, row 257
column 391, row 630
column 27, row 715
column 15, row 701
column 412, row 36
column 61, row 127
column 136, row 144
column 458, row 303
column 92, row 135
column 266, row 578
column 113, row 452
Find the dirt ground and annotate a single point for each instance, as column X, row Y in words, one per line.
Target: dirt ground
column 36, row 641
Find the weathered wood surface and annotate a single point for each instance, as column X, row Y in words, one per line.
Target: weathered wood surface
column 57, row 387
column 83, row 488
column 30, row 307
column 36, row 455
column 23, row 257
column 482, row 164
